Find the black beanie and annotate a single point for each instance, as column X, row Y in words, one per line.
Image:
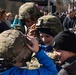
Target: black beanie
column 46, row 31
column 65, row 40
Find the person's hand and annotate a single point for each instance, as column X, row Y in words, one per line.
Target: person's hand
column 16, row 16
column 35, row 45
column 32, row 30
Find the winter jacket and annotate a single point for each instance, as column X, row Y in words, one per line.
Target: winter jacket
column 48, row 67
column 3, row 26
column 68, row 67
column 68, row 23
column 47, row 49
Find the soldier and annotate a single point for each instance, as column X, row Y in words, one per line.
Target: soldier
column 28, row 14
column 13, row 50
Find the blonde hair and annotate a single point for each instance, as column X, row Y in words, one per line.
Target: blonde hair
column 8, row 14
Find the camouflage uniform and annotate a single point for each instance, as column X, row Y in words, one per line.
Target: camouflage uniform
column 27, row 10
column 11, row 42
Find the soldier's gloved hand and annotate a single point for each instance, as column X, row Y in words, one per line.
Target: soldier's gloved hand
column 35, row 46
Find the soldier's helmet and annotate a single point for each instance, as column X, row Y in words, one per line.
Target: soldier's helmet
column 49, row 24
column 28, row 10
column 13, row 46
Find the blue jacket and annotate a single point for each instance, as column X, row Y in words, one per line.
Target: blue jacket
column 48, row 67
column 47, row 49
column 50, row 49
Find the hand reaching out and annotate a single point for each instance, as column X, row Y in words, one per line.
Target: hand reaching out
column 33, row 30
column 35, row 46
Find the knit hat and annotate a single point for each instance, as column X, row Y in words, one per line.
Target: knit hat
column 46, row 31
column 65, row 40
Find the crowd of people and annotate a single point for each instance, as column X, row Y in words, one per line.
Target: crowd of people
column 33, row 31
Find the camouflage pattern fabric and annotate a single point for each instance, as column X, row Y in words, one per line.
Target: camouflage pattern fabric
column 50, row 21
column 20, row 28
column 29, row 9
column 13, row 46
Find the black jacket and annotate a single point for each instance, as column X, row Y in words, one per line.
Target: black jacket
column 68, row 23
column 3, row 26
column 68, row 67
